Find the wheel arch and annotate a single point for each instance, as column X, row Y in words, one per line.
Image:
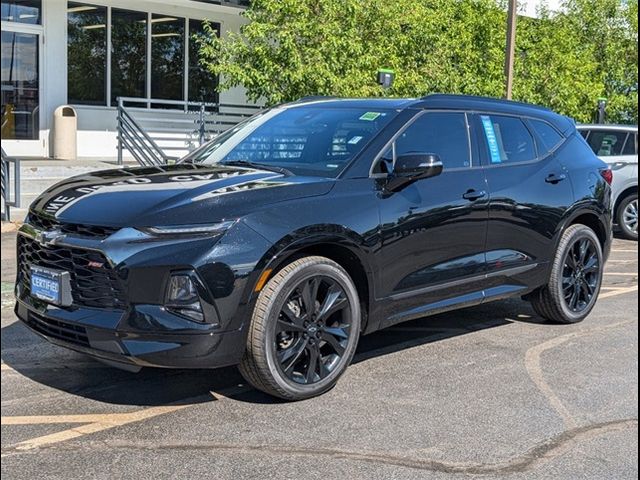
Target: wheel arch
column 630, row 190
column 344, row 247
column 592, row 217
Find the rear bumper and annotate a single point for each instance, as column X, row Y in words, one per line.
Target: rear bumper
column 95, row 333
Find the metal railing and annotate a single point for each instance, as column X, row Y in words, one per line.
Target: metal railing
column 158, row 132
column 10, row 185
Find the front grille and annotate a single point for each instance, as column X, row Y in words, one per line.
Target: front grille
column 97, row 287
column 43, row 222
column 57, row 329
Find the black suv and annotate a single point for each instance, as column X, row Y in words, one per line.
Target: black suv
column 280, row 242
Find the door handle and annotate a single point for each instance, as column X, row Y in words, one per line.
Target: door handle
column 473, row 195
column 554, row 179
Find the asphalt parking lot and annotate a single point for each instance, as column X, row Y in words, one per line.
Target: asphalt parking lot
column 489, row 391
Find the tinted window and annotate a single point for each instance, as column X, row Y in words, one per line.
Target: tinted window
column 548, row 135
column 508, row 139
column 202, row 84
column 128, row 54
column 584, row 133
column 167, row 57
column 86, row 53
column 444, row 134
column 631, row 147
column 306, row 140
column 605, row 143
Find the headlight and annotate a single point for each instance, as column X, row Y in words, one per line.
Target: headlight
column 182, row 297
column 206, row 229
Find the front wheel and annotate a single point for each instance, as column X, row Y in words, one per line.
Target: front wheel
column 627, row 217
column 304, row 330
column 575, row 280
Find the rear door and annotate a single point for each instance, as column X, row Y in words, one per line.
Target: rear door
column 433, row 231
column 530, row 192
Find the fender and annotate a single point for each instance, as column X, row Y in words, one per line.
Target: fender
column 585, row 207
column 304, row 238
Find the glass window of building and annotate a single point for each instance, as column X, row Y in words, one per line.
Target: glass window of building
column 20, row 86
column 21, row 11
column 128, row 54
column 87, row 54
column 202, row 84
column 167, row 57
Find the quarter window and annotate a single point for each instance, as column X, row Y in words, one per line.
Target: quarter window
column 548, row 135
column 606, row 143
column 507, row 139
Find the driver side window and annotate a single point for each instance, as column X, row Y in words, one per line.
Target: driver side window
column 442, row 133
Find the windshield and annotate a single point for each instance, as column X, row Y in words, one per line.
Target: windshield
column 306, row 140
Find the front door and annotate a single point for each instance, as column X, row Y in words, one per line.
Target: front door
column 433, row 231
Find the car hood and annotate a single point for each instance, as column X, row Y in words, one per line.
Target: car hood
column 171, row 195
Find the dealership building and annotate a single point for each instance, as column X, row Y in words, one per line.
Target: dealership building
column 88, row 54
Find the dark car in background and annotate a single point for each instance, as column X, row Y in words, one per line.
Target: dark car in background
column 280, row 242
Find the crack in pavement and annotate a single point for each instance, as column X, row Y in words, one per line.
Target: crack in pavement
column 543, row 452
column 534, row 369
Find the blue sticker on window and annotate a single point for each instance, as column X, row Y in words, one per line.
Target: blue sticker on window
column 492, row 140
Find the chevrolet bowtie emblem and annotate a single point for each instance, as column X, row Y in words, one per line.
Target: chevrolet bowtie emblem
column 48, row 237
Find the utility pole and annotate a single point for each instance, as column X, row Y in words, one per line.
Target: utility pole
column 511, row 47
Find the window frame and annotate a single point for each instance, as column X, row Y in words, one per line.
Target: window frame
column 391, row 143
column 482, row 146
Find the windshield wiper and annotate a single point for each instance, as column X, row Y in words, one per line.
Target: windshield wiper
column 260, row 166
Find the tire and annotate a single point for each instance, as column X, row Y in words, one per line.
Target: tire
column 627, row 217
column 556, row 301
column 290, row 327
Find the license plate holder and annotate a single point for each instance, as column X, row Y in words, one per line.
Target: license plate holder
column 51, row 286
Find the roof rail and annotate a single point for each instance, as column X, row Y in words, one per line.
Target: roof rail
column 499, row 101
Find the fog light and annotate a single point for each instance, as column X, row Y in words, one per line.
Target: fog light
column 182, row 297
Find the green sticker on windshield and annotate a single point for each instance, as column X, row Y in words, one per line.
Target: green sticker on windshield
column 370, row 116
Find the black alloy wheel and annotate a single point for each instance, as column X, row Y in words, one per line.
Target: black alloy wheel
column 312, row 330
column 581, row 274
column 304, row 330
column 575, row 278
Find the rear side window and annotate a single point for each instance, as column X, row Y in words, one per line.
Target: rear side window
column 631, row 147
column 508, row 140
column 606, row 143
column 548, row 135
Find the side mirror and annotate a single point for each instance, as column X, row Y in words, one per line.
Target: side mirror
column 412, row 167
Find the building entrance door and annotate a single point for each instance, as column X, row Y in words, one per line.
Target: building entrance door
column 20, row 85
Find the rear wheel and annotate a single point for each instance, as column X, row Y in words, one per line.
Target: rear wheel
column 304, row 330
column 575, row 280
column 627, row 217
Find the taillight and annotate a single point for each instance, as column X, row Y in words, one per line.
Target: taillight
column 607, row 174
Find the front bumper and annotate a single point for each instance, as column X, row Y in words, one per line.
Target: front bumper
column 96, row 333
column 139, row 331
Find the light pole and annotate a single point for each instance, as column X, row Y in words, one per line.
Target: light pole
column 510, row 48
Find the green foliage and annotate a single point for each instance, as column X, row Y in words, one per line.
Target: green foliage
column 292, row 48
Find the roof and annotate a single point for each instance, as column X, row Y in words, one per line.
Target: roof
column 446, row 101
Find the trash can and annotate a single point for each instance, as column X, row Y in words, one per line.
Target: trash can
column 65, row 127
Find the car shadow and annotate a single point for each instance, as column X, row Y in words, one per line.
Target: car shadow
column 79, row 375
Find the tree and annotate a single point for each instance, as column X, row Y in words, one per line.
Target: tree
column 293, row 48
